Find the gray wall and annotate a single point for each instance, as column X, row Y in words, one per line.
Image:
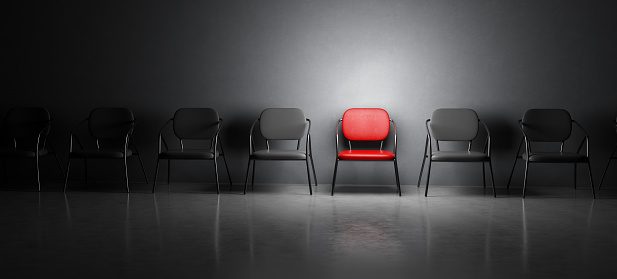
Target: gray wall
column 409, row 57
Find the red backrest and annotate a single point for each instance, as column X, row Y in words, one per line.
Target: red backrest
column 366, row 124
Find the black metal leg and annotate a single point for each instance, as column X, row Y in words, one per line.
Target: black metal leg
column 607, row 164
column 228, row 175
column 156, row 174
column 308, row 172
column 246, row 179
column 38, row 173
column 142, row 168
column 428, row 176
column 59, row 165
column 593, row 192
column 313, row 166
column 334, row 177
column 66, row 178
column 525, row 179
column 126, row 175
column 398, row 183
column 490, row 166
column 253, row 177
column 421, row 170
column 216, row 174
column 512, row 172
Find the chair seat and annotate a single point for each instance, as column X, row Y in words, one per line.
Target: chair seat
column 188, row 154
column 459, row 156
column 368, row 155
column 20, row 153
column 101, row 153
column 556, row 157
column 279, row 155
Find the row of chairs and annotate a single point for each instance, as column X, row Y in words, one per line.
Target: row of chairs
column 361, row 135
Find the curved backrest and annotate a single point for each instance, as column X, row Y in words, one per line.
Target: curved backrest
column 110, row 123
column 196, row 123
column 282, row 123
column 27, row 122
column 547, row 125
column 366, row 124
column 453, row 124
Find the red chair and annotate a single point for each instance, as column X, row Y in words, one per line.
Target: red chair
column 367, row 127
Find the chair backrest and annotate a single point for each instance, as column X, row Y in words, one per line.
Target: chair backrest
column 547, row 125
column 282, row 123
column 454, row 124
column 366, row 124
column 27, row 122
column 196, row 123
column 110, row 123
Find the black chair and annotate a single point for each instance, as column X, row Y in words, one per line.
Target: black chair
column 198, row 124
column 28, row 128
column 281, row 124
column 112, row 131
column 613, row 156
column 550, row 126
column 459, row 125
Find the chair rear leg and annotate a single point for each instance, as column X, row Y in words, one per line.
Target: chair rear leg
column 216, row 174
column 421, row 170
column 511, row 173
column 428, row 176
column 126, row 175
column 313, row 166
column 228, row 175
column 398, row 182
column 143, row 170
column 525, row 179
column 605, row 169
column 246, row 179
column 66, row 178
column 483, row 175
column 308, row 173
column 490, row 168
column 334, row 177
column 59, row 165
column 38, row 173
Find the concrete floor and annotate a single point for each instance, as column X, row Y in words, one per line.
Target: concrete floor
column 282, row 232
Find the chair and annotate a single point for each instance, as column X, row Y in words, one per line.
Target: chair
column 28, row 128
column 547, row 126
column 613, row 156
column 366, row 127
column 456, row 125
column 281, row 124
column 112, row 131
column 197, row 124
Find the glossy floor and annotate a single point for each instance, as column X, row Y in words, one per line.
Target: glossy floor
column 282, row 232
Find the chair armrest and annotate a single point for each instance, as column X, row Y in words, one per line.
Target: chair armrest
column 251, row 141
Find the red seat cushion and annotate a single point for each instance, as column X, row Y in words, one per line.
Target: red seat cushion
column 379, row 155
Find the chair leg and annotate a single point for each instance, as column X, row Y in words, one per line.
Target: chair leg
column 59, row 165
column 607, row 164
column 246, row 179
column 525, row 179
column 216, row 175
column 126, row 175
column 308, row 172
column 38, row 173
column 66, row 178
column 490, row 168
column 421, row 170
column 428, row 176
column 334, row 177
column 228, row 175
column 398, row 183
column 593, row 192
column 313, row 166
column 156, row 174
column 253, row 176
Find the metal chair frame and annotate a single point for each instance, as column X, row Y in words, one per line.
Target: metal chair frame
column 214, row 142
column 128, row 138
column 527, row 143
column 613, row 156
column 308, row 149
column 41, row 144
column 398, row 184
column 428, row 145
